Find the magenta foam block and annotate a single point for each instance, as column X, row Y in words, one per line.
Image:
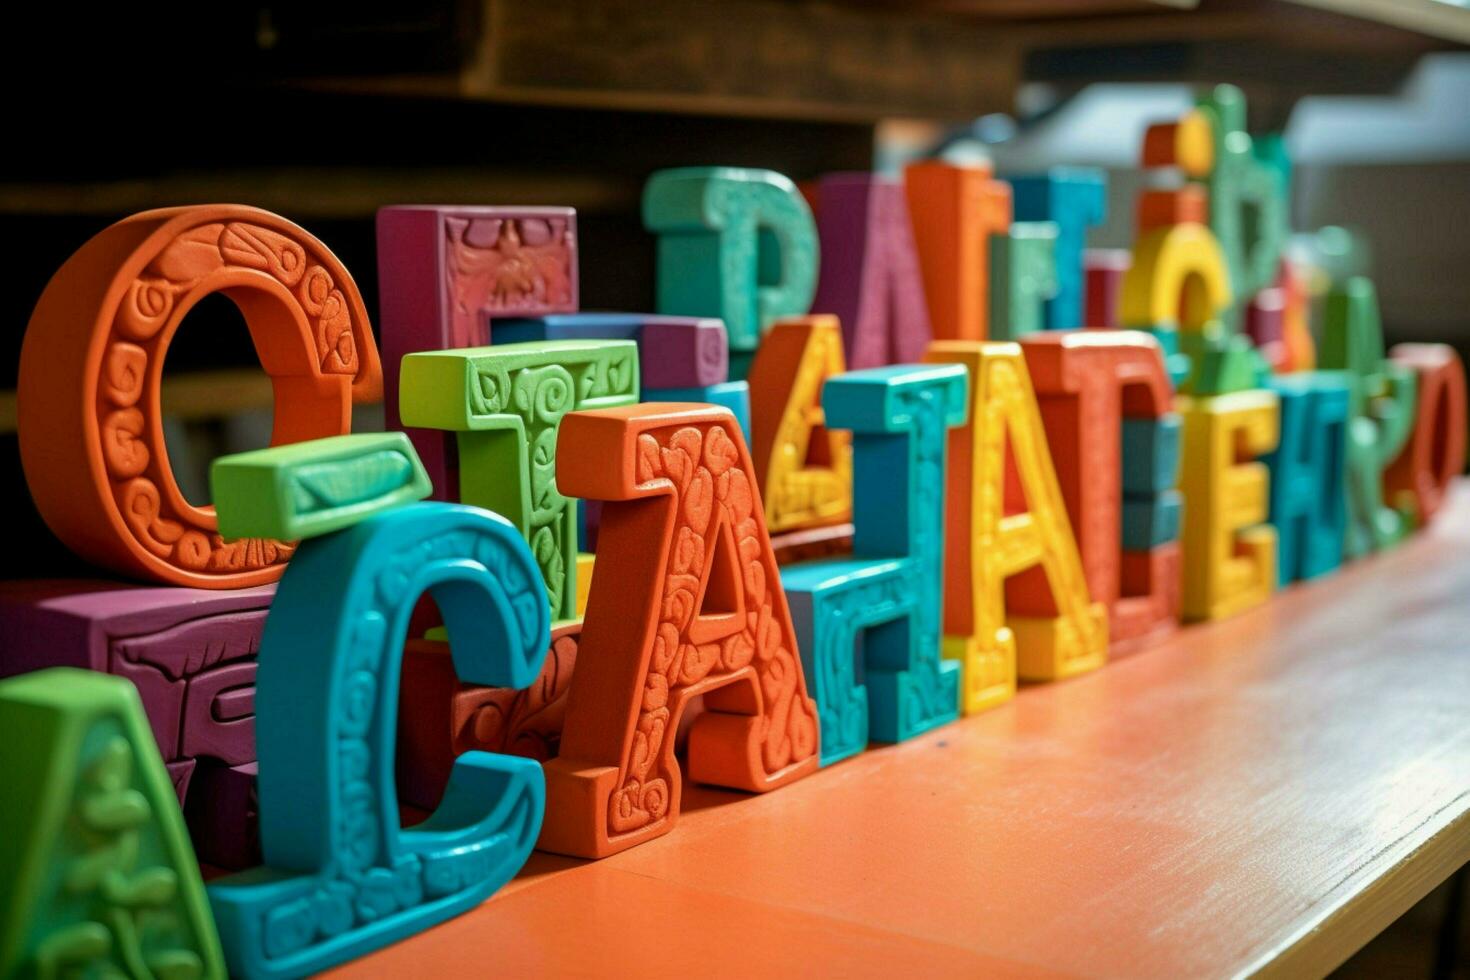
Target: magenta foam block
column 224, row 815
column 445, row 272
column 869, row 274
column 683, row 352
column 1265, row 323
column 1102, row 273
column 673, row 351
column 190, row 652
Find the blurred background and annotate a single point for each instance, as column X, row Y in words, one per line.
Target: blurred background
column 326, row 111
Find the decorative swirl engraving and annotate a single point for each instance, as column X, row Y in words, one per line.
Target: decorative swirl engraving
column 123, row 373
column 799, row 493
column 524, row 722
column 146, row 309
column 499, row 264
column 539, row 391
column 184, row 266
column 122, row 444
column 712, row 495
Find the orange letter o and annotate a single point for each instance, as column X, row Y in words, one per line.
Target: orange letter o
column 91, row 432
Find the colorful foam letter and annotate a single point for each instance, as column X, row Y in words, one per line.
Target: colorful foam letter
column 1435, row 453
column 341, row 876
column 870, row 278
column 955, row 210
column 1150, row 453
column 687, row 601
column 96, row 876
column 1308, row 502
column 803, row 468
column 444, row 272
column 1381, row 406
column 1023, row 276
column 506, row 403
column 889, row 591
column 1074, row 199
column 1229, row 553
column 1052, row 628
column 736, row 244
column 1105, row 399
column 1150, row 590
column 1177, row 288
column 1177, row 279
column 680, row 359
column 91, row 430
column 1247, row 200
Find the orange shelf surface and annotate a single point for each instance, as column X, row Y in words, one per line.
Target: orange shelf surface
column 1260, row 794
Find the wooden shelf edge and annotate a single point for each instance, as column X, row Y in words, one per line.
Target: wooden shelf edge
column 1326, row 941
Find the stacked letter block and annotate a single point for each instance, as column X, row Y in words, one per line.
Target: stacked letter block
column 445, row 272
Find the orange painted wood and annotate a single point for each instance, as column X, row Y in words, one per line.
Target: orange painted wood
column 1267, row 791
column 955, row 210
column 1163, row 208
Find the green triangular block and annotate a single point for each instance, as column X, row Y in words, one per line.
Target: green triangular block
column 97, row 876
column 1220, row 362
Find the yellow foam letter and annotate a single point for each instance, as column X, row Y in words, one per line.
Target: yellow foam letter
column 803, row 468
column 986, row 542
column 1229, row 552
column 1177, row 279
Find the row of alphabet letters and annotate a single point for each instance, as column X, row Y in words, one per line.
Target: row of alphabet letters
column 886, row 446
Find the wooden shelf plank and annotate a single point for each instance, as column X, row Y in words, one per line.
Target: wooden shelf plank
column 859, row 61
column 1262, row 794
column 1445, row 19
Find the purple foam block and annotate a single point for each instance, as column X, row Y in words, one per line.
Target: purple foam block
column 443, row 270
column 1265, row 322
column 683, row 352
column 190, row 652
column 1265, row 315
column 870, row 270
column 181, row 774
column 224, row 816
column 1103, row 270
column 673, row 351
